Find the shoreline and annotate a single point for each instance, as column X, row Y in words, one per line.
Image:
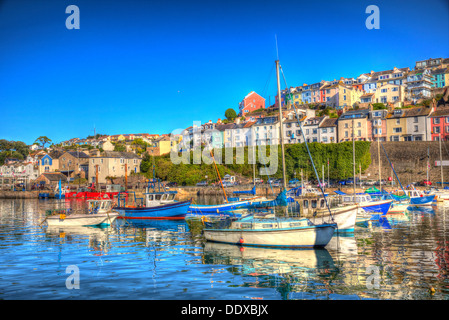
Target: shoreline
column 191, row 191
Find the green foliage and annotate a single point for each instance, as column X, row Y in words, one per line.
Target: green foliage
column 296, row 158
column 230, row 114
column 13, row 149
column 43, row 140
column 379, row 106
column 119, row 147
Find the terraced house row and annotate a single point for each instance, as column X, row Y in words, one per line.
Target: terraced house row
column 420, row 123
column 398, row 86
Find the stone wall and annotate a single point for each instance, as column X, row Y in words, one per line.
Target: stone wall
column 409, row 160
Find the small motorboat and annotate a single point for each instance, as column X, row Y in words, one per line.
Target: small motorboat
column 99, row 212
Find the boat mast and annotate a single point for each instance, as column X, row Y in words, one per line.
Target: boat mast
column 353, row 154
column 378, row 160
column 254, row 166
column 282, row 127
column 441, row 164
column 218, row 173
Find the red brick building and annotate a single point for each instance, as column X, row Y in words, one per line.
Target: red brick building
column 250, row 103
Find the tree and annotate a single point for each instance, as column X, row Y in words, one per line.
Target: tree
column 230, row 114
column 43, row 140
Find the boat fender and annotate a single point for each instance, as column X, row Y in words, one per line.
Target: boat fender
column 62, row 216
column 241, row 241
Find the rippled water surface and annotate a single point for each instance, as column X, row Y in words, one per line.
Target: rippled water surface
column 402, row 257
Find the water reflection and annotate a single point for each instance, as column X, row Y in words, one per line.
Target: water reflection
column 288, row 271
column 170, row 260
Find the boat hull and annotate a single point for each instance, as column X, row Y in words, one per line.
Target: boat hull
column 398, row 207
column 217, row 209
column 422, row 201
column 301, row 237
column 171, row 211
column 378, row 207
column 82, row 219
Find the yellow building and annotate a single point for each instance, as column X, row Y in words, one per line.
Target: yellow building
column 49, row 162
column 162, row 145
column 354, row 122
column 348, row 95
column 113, row 164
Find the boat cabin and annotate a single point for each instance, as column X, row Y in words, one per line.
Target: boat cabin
column 308, row 206
column 358, row 198
column 153, row 199
column 269, row 224
column 99, row 206
column 414, row 193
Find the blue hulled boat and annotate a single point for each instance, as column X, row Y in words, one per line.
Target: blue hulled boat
column 366, row 202
column 156, row 205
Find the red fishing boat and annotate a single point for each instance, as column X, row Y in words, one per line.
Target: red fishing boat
column 90, row 193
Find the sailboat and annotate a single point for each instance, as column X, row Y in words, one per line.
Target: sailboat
column 273, row 232
column 225, row 208
column 443, row 194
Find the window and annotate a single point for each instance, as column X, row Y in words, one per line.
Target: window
column 359, row 124
column 436, row 130
column 383, row 90
column 359, row 133
column 397, row 130
column 346, row 134
column 398, row 121
column 436, row 120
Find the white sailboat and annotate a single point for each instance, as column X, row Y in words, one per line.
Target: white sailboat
column 274, row 232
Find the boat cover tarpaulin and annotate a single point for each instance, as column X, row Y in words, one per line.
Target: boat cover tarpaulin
column 281, row 199
column 252, row 191
column 340, row 193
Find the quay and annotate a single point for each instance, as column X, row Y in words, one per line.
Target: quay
column 192, row 191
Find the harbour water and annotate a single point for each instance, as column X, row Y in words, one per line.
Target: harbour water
column 402, row 257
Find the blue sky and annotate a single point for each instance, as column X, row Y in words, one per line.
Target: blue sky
column 155, row 66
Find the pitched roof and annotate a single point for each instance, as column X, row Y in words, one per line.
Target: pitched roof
column 412, row 112
column 55, row 176
column 329, row 122
column 226, row 126
column 440, row 112
column 77, row 154
column 119, row 154
column 55, row 154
